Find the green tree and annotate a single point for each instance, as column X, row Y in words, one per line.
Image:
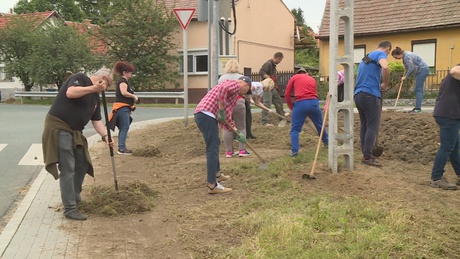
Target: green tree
column 42, row 55
column 16, row 43
column 60, row 49
column 143, row 34
column 298, row 14
column 307, row 57
column 66, row 8
column 100, row 11
column 309, row 54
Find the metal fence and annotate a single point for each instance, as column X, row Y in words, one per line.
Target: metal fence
column 282, row 79
column 141, row 95
column 432, row 83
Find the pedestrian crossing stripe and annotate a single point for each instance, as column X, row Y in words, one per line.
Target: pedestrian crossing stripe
column 2, row 146
column 34, row 156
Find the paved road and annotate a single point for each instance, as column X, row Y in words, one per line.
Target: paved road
column 20, row 142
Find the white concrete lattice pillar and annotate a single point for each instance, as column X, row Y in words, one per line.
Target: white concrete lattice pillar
column 346, row 138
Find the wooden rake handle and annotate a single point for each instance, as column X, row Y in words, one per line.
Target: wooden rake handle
column 399, row 92
column 328, row 99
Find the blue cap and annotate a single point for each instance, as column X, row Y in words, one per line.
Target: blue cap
column 246, row 79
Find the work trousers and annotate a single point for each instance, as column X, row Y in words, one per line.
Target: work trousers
column 369, row 115
column 419, row 84
column 449, row 149
column 303, row 109
column 72, row 166
column 210, row 129
column 239, row 117
column 270, row 97
column 123, row 121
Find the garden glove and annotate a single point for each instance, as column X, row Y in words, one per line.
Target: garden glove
column 221, row 116
column 240, row 137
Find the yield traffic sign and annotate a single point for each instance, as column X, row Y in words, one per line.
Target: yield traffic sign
column 184, row 15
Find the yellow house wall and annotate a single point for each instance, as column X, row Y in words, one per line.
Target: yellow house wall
column 445, row 38
column 264, row 27
column 197, row 39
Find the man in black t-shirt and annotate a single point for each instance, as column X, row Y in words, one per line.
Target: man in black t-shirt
column 447, row 116
column 64, row 146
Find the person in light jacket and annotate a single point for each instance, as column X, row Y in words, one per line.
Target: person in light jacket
column 413, row 65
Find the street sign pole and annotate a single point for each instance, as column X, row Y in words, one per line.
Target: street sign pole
column 184, row 46
column 184, row 15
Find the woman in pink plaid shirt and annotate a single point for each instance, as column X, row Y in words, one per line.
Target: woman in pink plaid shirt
column 217, row 107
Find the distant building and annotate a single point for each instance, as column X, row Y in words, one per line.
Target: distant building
column 428, row 28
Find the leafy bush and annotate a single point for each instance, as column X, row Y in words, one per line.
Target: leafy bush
column 396, row 72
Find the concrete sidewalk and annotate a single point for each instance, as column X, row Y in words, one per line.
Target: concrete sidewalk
column 36, row 229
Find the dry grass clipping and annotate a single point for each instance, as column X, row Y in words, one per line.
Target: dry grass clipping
column 133, row 198
column 148, row 151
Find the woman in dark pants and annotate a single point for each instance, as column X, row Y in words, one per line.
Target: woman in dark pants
column 249, row 134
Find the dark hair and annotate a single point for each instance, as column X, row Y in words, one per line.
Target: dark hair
column 278, row 55
column 123, row 66
column 397, row 51
column 385, row 44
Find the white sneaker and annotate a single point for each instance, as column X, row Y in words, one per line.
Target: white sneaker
column 218, row 189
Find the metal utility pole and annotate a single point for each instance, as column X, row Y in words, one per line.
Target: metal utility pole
column 209, row 44
column 215, row 42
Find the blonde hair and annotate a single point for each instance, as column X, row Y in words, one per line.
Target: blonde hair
column 268, row 83
column 232, row 66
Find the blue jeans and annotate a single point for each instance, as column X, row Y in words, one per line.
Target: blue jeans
column 72, row 167
column 210, row 130
column 369, row 115
column 123, row 121
column 301, row 110
column 419, row 83
column 449, row 149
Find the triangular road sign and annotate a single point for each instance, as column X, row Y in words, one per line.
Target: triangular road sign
column 184, row 15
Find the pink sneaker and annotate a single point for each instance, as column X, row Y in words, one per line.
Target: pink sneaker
column 243, row 152
column 229, row 154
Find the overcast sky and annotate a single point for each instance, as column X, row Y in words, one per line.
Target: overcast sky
column 312, row 9
column 5, row 5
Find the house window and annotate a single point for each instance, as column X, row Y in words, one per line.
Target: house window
column 426, row 49
column 359, row 52
column 197, row 62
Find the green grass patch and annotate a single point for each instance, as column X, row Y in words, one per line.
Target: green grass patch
column 321, row 227
column 282, row 219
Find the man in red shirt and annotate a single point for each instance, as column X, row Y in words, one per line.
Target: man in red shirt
column 306, row 104
column 215, row 108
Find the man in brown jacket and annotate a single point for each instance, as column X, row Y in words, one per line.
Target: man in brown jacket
column 268, row 70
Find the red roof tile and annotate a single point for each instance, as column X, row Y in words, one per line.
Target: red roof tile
column 40, row 17
column 183, row 4
column 378, row 17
